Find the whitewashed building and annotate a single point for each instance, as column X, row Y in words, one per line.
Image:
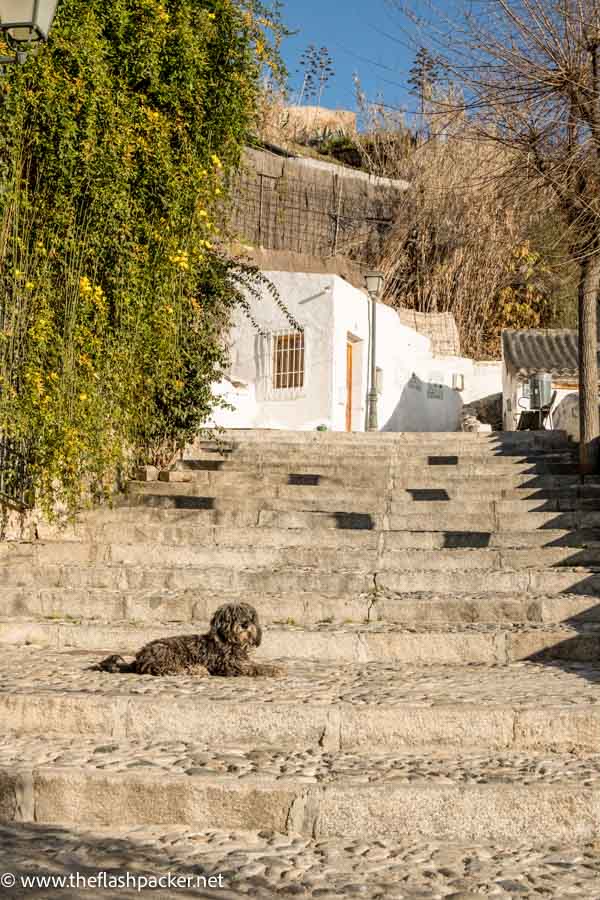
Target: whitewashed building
column 281, row 378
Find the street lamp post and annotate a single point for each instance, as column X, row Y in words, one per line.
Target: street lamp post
column 374, row 284
column 24, row 24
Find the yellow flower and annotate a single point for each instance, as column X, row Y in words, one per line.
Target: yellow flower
column 217, row 162
column 83, row 396
column 180, row 259
column 85, row 285
column 29, row 285
column 212, row 16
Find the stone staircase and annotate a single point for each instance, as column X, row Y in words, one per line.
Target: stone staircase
column 434, row 598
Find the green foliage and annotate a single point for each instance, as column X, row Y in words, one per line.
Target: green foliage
column 116, row 143
column 525, row 301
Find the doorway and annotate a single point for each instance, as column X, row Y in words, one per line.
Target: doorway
column 355, row 385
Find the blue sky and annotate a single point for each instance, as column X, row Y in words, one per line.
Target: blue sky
column 368, row 38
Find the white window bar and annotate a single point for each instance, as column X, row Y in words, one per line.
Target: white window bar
column 285, row 359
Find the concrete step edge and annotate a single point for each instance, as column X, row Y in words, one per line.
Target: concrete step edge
column 555, row 726
column 496, row 644
column 69, row 796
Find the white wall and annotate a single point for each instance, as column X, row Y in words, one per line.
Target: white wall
column 566, row 414
column 242, row 396
column 309, row 298
column 417, row 392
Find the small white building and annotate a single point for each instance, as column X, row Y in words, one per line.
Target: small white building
column 533, row 352
column 282, row 378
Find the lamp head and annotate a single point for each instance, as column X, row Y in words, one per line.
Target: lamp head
column 26, row 22
column 373, row 280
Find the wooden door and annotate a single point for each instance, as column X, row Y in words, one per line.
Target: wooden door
column 348, row 386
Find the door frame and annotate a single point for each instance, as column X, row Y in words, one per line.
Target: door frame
column 349, row 350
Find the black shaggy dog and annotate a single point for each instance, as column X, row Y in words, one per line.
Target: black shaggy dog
column 234, row 633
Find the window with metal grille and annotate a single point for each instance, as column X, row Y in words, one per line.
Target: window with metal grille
column 288, row 360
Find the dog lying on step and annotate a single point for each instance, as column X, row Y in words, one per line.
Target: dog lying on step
column 234, row 633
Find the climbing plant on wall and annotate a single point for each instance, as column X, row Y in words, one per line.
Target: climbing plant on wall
column 115, row 146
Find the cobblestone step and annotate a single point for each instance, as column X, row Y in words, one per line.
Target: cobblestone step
column 550, row 707
column 270, row 864
column 434, row 600
column 319, row 794
column 438, row 644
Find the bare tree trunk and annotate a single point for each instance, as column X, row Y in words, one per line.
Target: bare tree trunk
column 589, row 421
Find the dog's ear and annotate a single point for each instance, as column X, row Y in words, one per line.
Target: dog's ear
column 222, row 622
column 251, row 615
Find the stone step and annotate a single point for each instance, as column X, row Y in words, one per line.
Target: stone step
column 584, row 580
column 317, row 794
column 113, row 529
column 269, row 864
column 550, row 708
column 362, row 479
column 193, row 510
column 421, row 456
column 287, row 497
column 371, row 469
column 257, row 500
column 301, row 608
column 112, row 526
column 460, row 560
column 364, row 495
column 423, row 645
column 462, row 507
column 382, row 553
column 469, row 522
column 241, row 437
column 359, row 578
column 216, row 578
column 139, row 512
